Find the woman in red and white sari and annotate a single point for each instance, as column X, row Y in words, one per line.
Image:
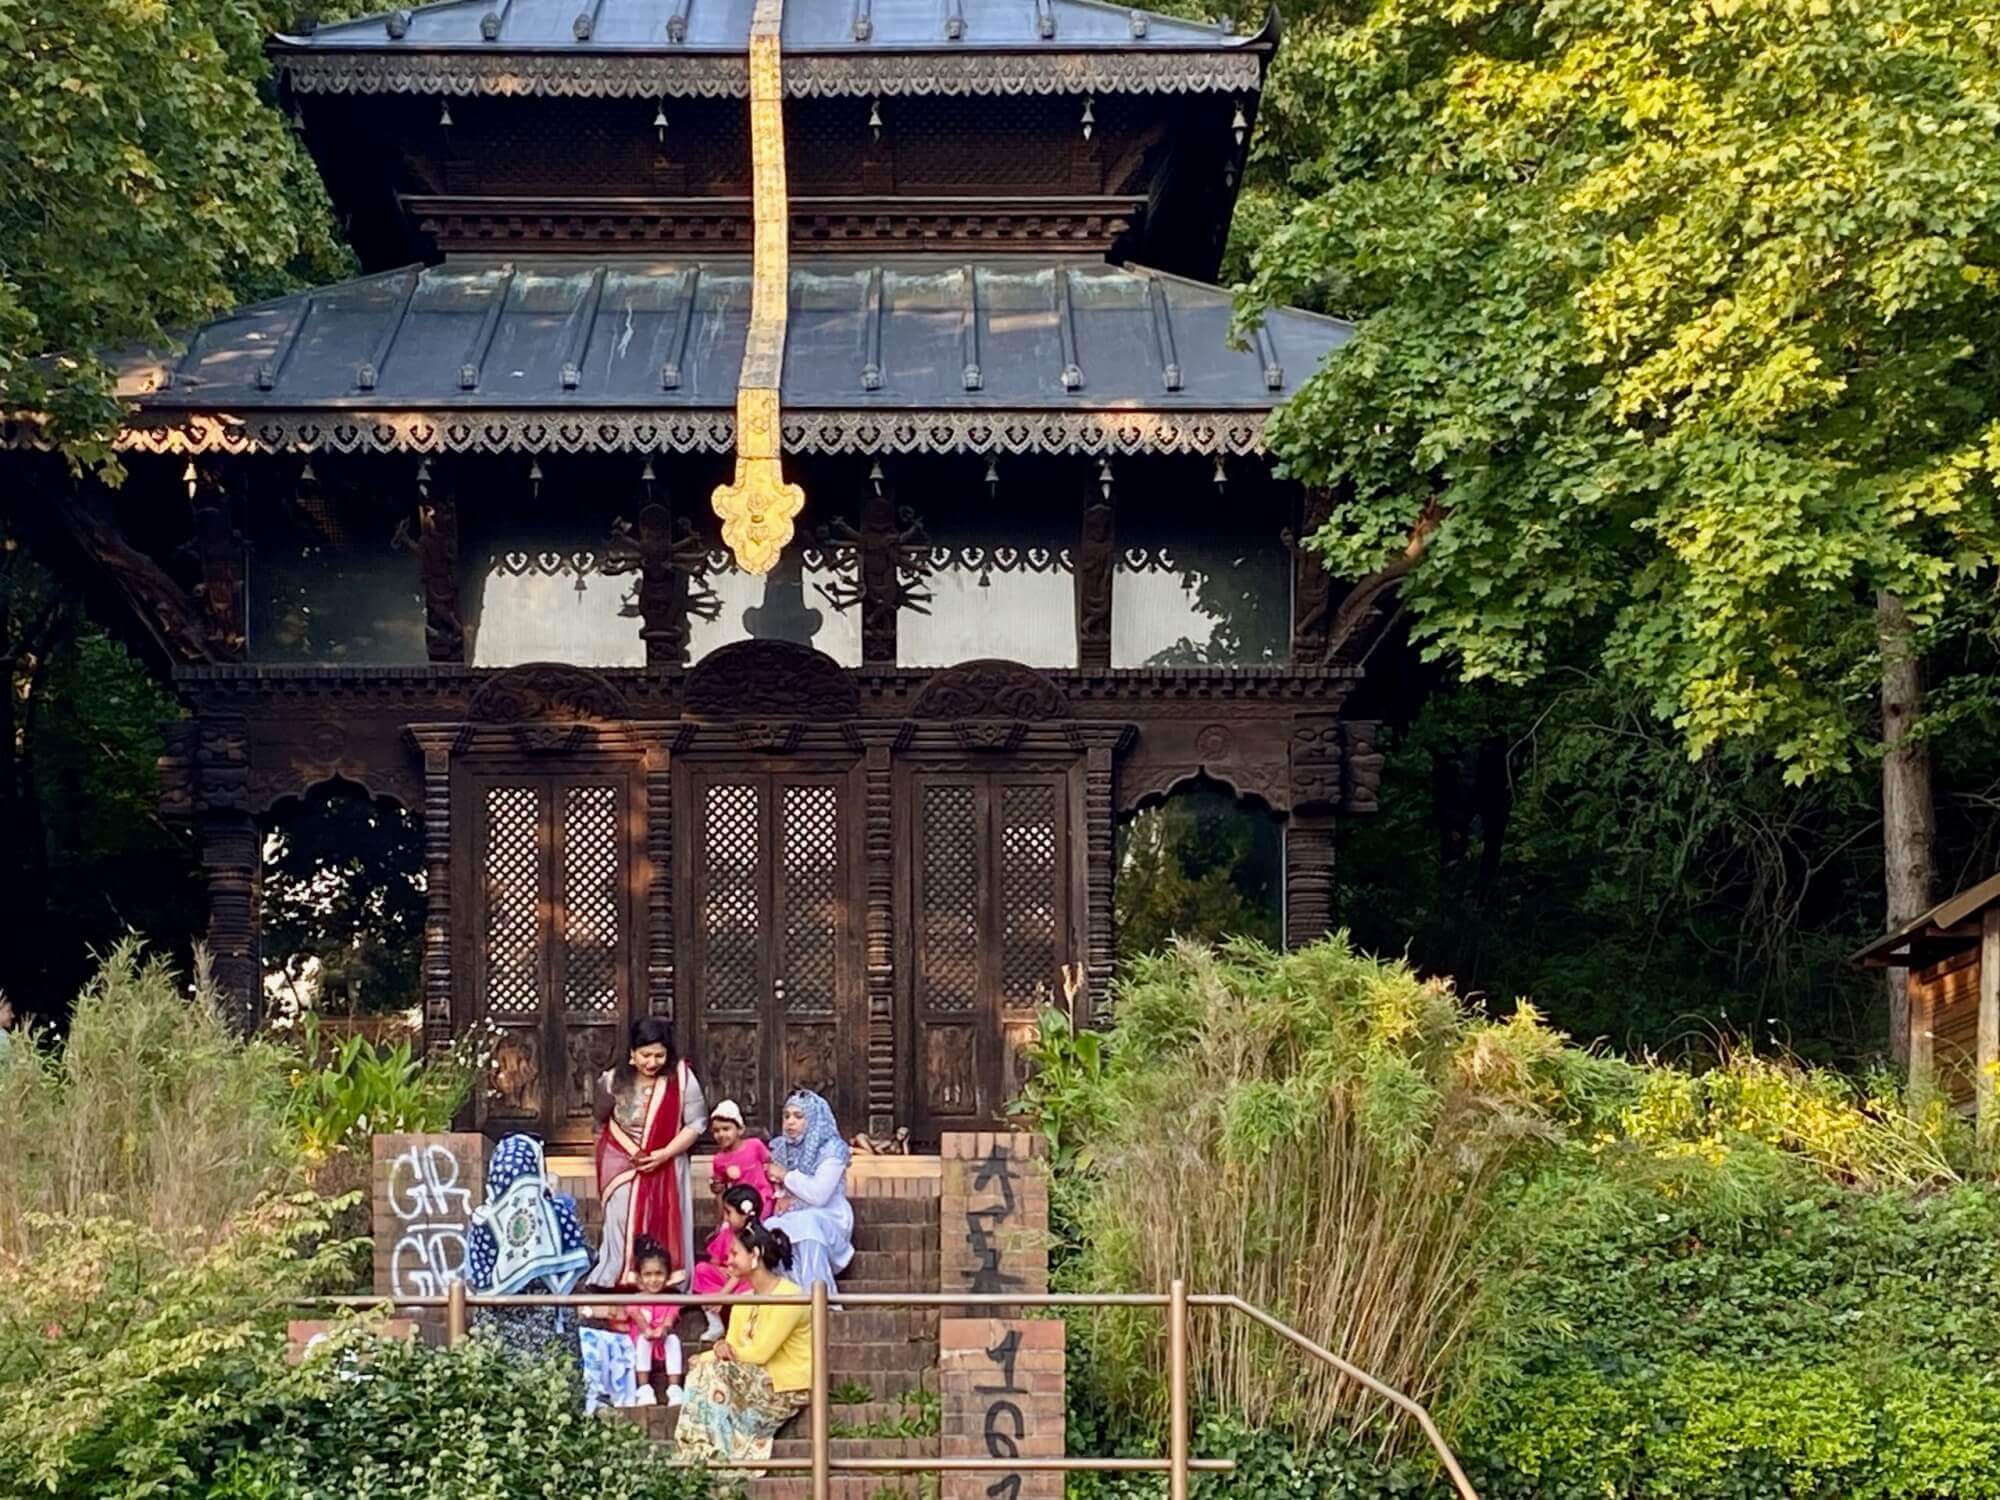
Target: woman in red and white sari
column 649, row 1114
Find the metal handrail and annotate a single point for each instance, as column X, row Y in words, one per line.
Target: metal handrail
column 1177, row 1464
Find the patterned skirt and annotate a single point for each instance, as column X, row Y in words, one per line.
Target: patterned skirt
column 732, row 1413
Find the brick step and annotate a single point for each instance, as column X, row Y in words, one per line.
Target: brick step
column 788, row 1446
column 842, row 1487
column 888, row 1385
column 876, row 1324
column 892, row 1237
column 850, row 1415
column 862, row 1277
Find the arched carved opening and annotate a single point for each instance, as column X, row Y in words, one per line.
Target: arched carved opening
column 1200, row 862
column 342, row 902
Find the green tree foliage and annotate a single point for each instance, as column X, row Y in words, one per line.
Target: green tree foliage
column 1678, row 321
column 84, row 854
column 145, row 182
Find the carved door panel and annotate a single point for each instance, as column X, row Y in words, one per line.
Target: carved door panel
column 772, row 963
column 551, row 923
column 989, row 896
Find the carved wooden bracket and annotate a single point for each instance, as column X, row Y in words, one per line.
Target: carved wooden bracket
column 989, row 734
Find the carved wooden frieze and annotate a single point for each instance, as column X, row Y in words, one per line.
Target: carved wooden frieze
column 547, row 691
column 770, row 680
column 991, row 689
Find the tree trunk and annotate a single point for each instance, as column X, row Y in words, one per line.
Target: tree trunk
column 1909, row 817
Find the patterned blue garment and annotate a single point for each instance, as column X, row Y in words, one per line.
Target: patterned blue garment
column 820, row 1141
column 524, row 1238
column 610, row 1376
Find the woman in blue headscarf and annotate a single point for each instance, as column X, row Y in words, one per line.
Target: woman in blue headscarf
column 526, row 1239
column 809, row 1170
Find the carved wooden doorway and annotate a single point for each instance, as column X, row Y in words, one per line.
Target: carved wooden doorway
column 545, row 935
column 990, row 894
column 771, row 976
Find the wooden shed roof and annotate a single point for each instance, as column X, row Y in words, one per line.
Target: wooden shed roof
column 1944, row 930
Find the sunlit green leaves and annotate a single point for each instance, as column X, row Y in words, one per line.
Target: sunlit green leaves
column 145, row 182
column 1688, row 314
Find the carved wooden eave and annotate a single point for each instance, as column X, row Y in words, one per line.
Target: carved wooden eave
column 601, row 75
column 1111, row 433
column 881, row 694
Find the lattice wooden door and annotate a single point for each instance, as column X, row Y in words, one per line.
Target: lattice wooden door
column 550, row 929
column 772, row 963
column 989, row 891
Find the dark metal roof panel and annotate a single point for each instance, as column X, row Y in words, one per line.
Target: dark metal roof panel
column 724, row 26
column 576, row 334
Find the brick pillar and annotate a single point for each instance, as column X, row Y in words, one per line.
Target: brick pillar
column 1001, row 1387
column 993, row 1213
column 421, row 1198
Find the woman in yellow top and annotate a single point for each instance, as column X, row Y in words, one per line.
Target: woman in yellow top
column 748, row 1386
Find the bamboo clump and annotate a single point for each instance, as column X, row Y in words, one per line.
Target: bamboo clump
column 1321, row 1135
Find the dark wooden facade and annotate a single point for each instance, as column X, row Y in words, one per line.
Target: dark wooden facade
column 865, row 876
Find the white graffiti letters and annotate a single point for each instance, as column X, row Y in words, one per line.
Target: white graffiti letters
column 432, row 1215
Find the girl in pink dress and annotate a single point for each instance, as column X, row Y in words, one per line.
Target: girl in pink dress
column 740, row 1206
column 739, row 1156
column 656, row 1348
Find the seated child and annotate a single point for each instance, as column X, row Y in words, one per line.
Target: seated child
column 739, row 1157
column 656, row 1348
column 740, row 1206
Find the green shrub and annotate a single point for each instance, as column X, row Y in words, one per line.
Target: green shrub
column 344, row 1093
column 151, row 1110
column 1756, row 1281
column 128, row 1370
column 405, row 1422
column 129, row 1357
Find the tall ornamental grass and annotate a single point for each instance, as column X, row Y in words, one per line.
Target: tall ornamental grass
column 150, row 1111
column 1323, row 1135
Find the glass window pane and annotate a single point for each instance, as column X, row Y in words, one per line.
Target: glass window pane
column 544, row 579
column 810, row 598
column 326, row 583
column 1202, row 585
column 996, row 578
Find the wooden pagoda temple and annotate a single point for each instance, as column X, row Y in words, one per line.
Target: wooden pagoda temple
column 780, row 493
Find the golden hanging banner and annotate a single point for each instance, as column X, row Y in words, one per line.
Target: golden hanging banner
column 758, row 507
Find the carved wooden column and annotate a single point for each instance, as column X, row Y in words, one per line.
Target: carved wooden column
column 1096, row 557
column 660, row 889
column 1101, row 746
column 878, row 921
column 1317, row 756
column 218, row 550
column 880, row 561
column 1312, row 585
column 437, row 552
column 232, row 856
column 436, row 745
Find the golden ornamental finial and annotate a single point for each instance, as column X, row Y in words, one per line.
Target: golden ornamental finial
column 759, row 506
